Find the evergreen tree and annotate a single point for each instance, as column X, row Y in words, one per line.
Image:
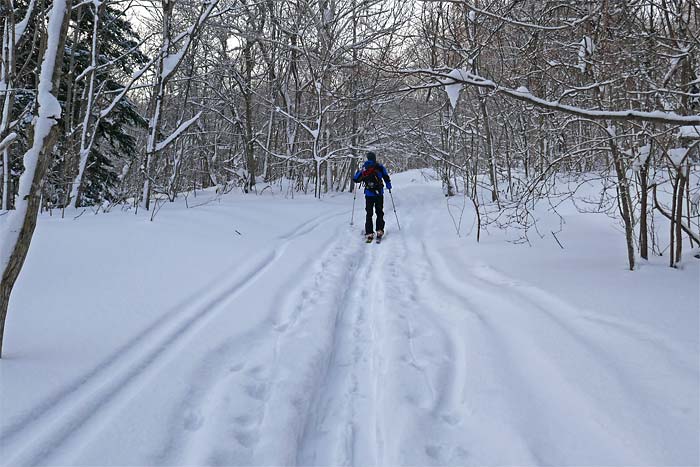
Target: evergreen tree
column 115, row 144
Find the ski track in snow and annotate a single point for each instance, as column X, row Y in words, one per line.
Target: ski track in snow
column 446, row 364
column 340, row 428
column 52, row 425
column 509, row 320
column 238, row 402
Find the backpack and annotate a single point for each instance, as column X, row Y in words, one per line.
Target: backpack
column 372, row 179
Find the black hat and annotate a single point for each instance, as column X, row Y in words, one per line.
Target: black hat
column 371, row 156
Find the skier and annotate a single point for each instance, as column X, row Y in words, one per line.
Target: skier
column 371, row 175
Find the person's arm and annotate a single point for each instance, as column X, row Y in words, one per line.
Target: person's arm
column 385, row 176
column 356, row 177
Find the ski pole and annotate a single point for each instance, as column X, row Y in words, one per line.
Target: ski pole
column 394, row 206
column 354, row 197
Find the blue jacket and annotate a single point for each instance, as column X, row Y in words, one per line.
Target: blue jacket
column 384, row 174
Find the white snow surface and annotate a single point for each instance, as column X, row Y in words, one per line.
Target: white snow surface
column 260, row 330
column 689, row 131
column 677, row 155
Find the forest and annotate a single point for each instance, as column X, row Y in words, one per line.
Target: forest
column 190, row 271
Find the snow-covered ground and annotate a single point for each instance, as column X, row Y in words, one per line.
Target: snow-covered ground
column 260, row 330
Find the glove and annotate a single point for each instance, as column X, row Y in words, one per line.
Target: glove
column 388, row 186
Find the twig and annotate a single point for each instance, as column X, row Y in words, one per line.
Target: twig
column 555, row 238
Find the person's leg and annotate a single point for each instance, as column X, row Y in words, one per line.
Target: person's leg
column 368, row 219
column 379, row 206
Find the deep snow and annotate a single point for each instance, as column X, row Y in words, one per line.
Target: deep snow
column 260, row 330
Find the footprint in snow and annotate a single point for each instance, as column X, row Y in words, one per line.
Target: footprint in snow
column 193, row 420
column 459, row 455
column 243, row 420
column 445, row 455
column 257, row 391
column 247, row 438
column 258, row 372
column 450, row 419
column 280, row 327
column 436, row 452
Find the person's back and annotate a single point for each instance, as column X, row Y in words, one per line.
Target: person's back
column 372, row 175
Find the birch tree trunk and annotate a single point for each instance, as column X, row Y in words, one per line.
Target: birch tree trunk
column 168, row 63
column 6, row 85
column 12, row 34
column 86, row 138
column 18, row 228
column 156, row 105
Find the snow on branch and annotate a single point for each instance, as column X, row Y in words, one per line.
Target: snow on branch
column 77, row 6
column 7, row 141
column 22, row 25
column 524, row 95
column 171, row 61
column 85, row 72
column 312, row 132
column 453, row 86
column 515, row 22
column 133, row 49
column 175, row 134
column 49, row 111
column 134, row 77
column 675, row 61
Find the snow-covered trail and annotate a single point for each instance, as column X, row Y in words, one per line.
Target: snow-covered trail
column 318, row 349
column 508, row 364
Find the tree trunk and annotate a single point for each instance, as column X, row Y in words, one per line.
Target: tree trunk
column 489, row 150
column 672, row 227
column 624, row 201
column 87, row 137
column 7, row 83
column 679, row 215
column 248, row 98
column 19, row 227
column 644, row 210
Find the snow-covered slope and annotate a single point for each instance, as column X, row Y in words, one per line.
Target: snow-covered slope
column 261, row 330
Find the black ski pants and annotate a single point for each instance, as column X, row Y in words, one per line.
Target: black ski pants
column 373, row 203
